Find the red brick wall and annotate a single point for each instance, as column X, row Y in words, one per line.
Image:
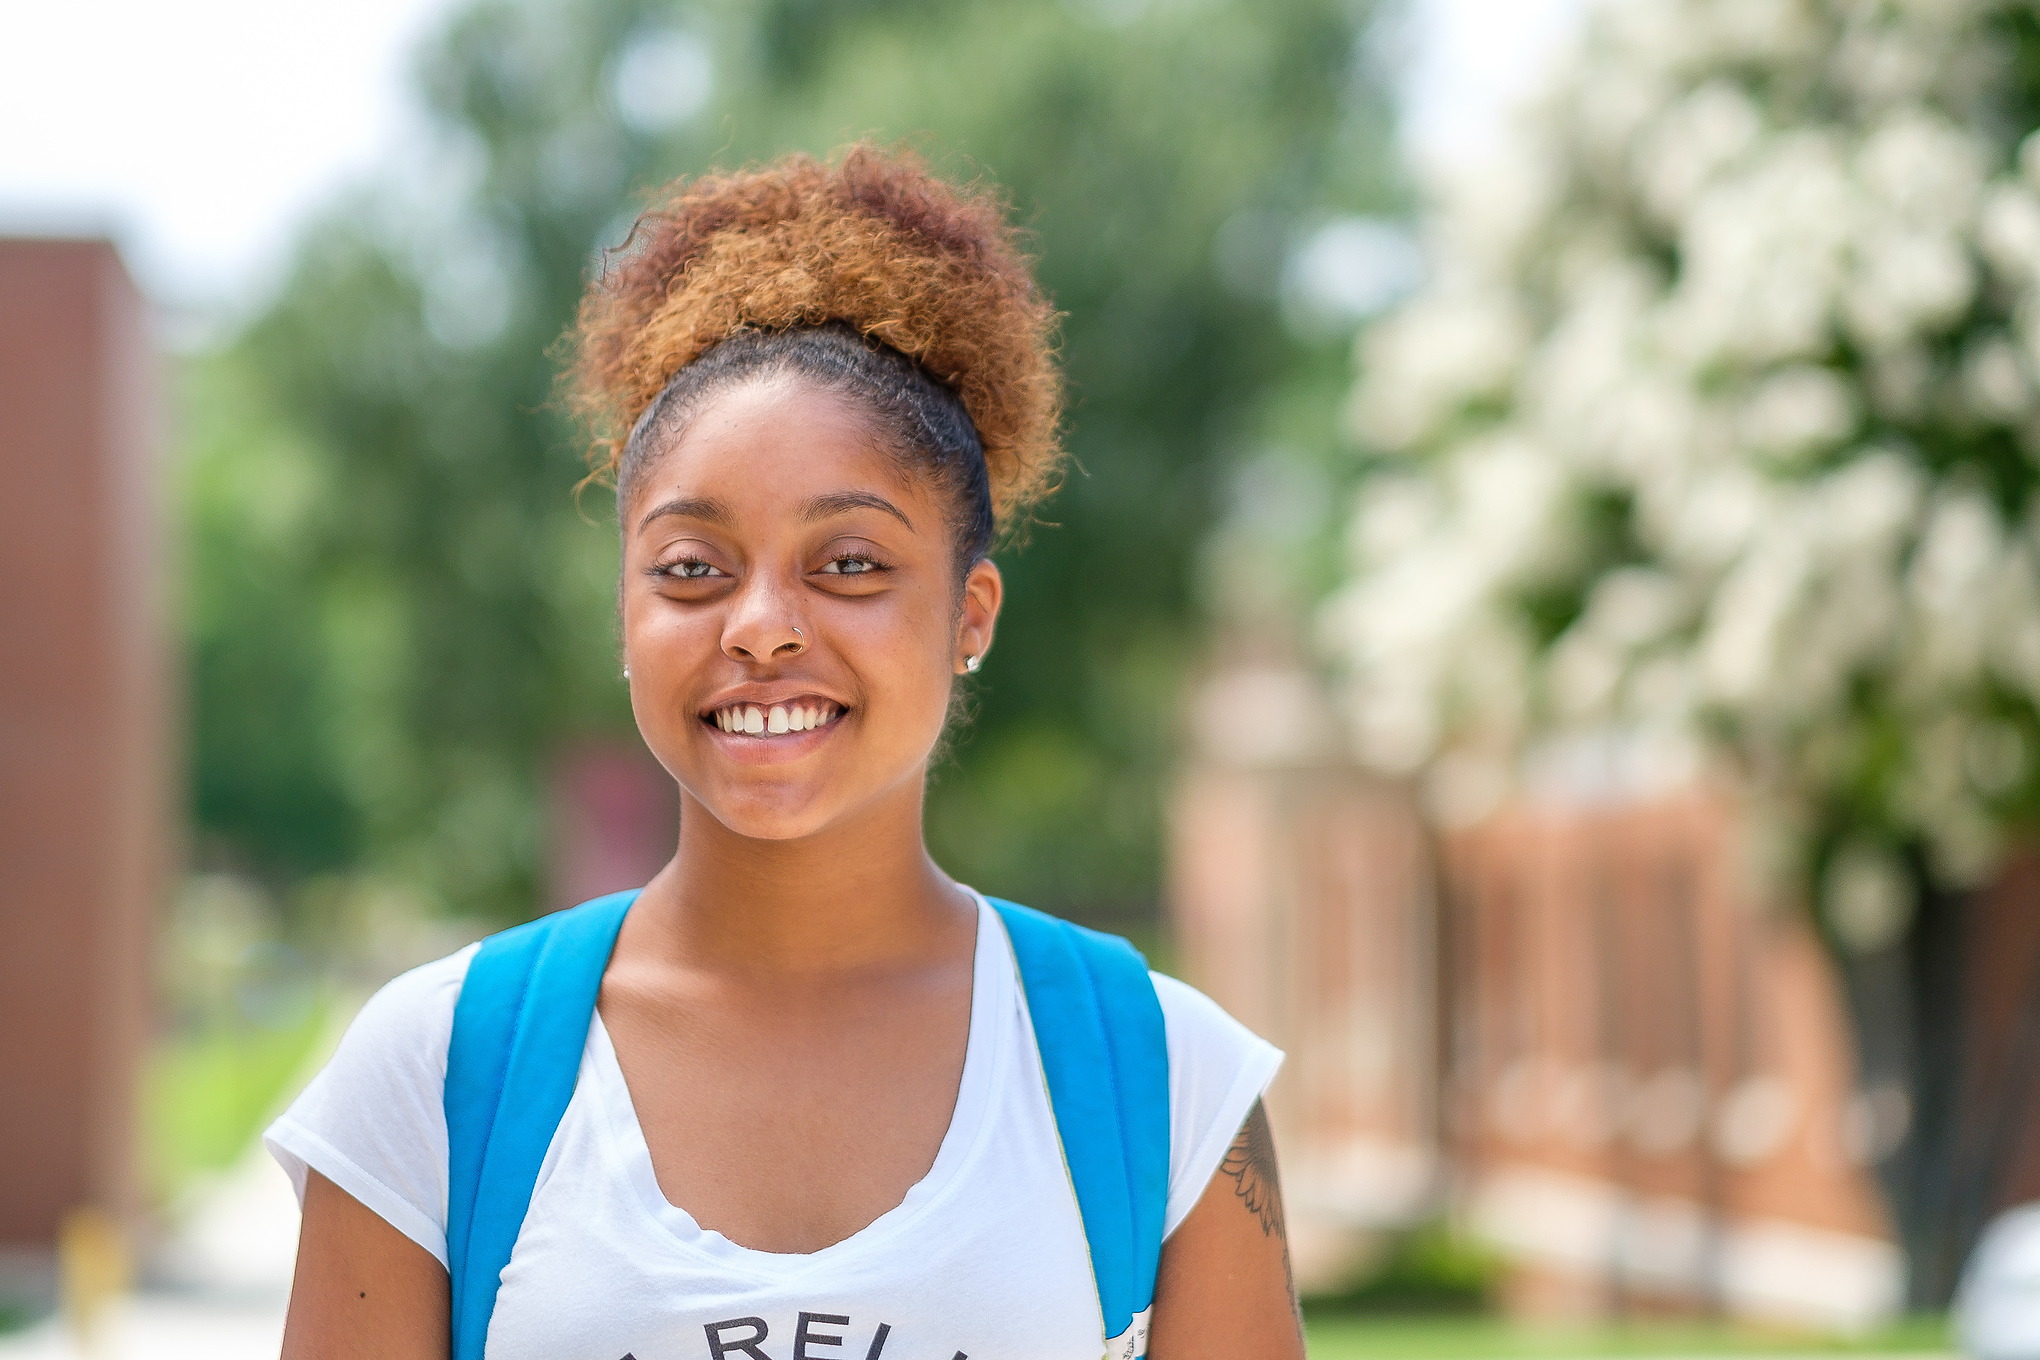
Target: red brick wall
column 1652, row 1071
column 85, row 750
column 1302, row 902
column 1582, row 1029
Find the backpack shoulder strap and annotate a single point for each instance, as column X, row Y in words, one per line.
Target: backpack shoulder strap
column 518, row 1031
column 1105, row 1053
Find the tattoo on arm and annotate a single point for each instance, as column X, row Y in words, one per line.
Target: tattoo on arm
column 1250, row 1161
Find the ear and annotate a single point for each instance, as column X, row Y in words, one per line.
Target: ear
column 983, row 592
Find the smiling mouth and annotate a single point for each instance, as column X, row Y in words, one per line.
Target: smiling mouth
column 773, row 720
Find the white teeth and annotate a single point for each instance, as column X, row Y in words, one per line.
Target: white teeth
column 752, row 720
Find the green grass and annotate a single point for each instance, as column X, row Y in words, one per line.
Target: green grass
column 1432, row 1270
column 207, row 1093
column 1334, row 1337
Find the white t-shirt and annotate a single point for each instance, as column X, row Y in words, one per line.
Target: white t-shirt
column 985, row 1257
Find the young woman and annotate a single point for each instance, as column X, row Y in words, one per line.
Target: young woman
column 812, row 1113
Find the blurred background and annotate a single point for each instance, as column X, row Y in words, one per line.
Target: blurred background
column 1545, row 625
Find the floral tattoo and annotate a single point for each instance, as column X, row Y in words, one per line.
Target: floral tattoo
column 1250, row 1161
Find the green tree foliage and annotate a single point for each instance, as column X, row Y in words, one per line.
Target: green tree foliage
column 400, row 609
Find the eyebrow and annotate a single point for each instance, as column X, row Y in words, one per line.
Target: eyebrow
column 706, row 508
column 712, row 511
column 841, row 502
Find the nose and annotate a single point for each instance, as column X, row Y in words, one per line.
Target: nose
column 761, row 627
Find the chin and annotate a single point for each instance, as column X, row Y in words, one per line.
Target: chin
column 767, row 818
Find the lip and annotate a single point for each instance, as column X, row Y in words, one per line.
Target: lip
column 764, row 696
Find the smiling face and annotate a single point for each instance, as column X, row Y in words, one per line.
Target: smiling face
column 792, row 620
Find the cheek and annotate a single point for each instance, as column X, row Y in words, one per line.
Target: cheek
column 642, row 623
column 925, row 687
column 911, row 643
column 897, row 659
column 667, row 647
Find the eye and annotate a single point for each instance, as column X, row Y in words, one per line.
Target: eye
column 849, row 566
column 688, row 569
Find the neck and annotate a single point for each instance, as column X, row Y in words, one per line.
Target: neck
column 860, row 895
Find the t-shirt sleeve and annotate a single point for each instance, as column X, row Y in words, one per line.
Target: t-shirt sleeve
column 1218, row 1068
column 373, row 1121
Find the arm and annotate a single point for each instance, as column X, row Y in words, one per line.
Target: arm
column 1224, row 1291
column 363, row 1290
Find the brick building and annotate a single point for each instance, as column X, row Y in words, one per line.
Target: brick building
column 87, row 798
column 1576, row 1026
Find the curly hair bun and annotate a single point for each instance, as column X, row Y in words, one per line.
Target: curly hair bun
column 873, row 241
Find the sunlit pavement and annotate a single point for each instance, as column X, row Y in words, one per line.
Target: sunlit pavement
column 217, row 1290
column 164, row 1327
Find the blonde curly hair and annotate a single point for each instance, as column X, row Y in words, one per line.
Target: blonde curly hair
column 873, row 242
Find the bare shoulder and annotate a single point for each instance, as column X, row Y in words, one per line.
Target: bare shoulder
column 362, row 1290
column 1225, row 1288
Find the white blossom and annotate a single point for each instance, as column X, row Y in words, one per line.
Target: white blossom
column 1994, row 383
column 2009, row 232
column 1802, row 409
column 1867, row 902
column 1733, row 356
column 1705, row 134
column 1448, row 349
column 1924, row 168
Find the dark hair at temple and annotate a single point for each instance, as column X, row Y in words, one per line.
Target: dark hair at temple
column 922, row 422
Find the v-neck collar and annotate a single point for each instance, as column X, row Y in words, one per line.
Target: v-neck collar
column 994, row 1014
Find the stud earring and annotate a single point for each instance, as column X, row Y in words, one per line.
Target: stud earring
column 626, row 672
column 971, row 663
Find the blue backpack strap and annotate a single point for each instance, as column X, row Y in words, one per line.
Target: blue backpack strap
column 1105, row 1052
column 518, row 1030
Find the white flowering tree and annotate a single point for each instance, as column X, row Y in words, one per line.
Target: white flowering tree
column 1718, row 427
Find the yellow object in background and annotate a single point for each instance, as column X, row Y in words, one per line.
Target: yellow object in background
column 92, row 1264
